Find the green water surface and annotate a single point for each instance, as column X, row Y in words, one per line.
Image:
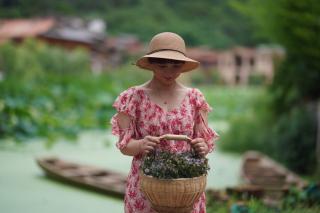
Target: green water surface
column 25, row 189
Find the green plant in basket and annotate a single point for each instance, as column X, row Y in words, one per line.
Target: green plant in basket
column 168, row 165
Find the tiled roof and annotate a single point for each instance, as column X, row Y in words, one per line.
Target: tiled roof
column 79, row 35
column 21, row 28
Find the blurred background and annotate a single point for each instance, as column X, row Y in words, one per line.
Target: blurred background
column 63, row 63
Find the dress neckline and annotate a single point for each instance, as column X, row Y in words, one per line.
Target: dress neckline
column 160, row 107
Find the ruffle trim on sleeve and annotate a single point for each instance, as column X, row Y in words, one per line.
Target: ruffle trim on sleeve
column 126, row 102
column 200, row 101
column 124, row 135
column 209, row 135
column 203, row 130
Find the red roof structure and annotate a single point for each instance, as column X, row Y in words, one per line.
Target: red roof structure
column 24, row 28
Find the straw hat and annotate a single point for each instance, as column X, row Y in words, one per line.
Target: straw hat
column 167, row 45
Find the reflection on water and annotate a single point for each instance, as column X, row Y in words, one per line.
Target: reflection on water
column 22, row 181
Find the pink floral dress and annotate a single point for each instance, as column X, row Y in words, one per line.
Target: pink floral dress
column 148, row 118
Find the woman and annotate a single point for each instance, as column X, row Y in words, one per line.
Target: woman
column 157, row 107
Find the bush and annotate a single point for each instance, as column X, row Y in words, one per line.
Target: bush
column 289, row 138
column 50, row 92
column 53, row 106
column 199, row 77
column 32, row 60
column 257, row 79
column 295, row 132
column 256, row 206
column 246, row 133
column 229, row 102
column 251, row 129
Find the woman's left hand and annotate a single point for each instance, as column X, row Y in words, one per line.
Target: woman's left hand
column 200, row 146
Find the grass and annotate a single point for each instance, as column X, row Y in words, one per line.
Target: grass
column 230, row 102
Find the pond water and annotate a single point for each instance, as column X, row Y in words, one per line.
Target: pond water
column 24, row 188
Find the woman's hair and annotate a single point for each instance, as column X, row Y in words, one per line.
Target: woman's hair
column 164, row 61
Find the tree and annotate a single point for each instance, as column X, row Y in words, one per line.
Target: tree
column 212, row 23
column 295, row 89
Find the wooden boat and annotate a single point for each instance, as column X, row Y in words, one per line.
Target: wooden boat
column 101, row 180
column 261, row 171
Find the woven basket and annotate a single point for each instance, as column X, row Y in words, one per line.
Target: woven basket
column 172, row 195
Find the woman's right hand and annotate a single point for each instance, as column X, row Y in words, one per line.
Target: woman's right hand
column 148, row 144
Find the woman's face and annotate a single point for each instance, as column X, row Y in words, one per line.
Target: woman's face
column 167, row 73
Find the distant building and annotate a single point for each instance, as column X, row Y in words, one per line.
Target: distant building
column 19, row 29
column 68, row 33
column 236, row 65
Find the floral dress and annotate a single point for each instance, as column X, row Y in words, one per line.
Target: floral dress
column 148, row 118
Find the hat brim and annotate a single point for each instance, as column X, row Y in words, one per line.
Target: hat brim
column 189, row 64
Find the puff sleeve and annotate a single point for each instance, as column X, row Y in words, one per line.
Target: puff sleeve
column 125, row 103
column 201, row 128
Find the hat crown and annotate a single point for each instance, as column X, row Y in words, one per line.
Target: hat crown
column 167, row 41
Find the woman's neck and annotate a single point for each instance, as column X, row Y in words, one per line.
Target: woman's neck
column 159, row 86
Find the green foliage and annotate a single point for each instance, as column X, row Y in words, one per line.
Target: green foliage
column 57, row 100
column 295, row 83
column 33, row 59
column 167, row 165
column 295, row 25
column 230, row 103
column 295, row 89
column 309, row 196
column 300, row 74
column 241, row 136
column 52, row 107
column 256, row 206
column 213, row 23
column 295, row 132
column 199, row 78
column 38, row 99
column 257, row 79
column 260, row 16
column 236, row 208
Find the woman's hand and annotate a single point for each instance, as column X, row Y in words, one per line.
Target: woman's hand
column 200, row 146
column 148, row 144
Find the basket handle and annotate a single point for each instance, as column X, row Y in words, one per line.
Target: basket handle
column 175, row 137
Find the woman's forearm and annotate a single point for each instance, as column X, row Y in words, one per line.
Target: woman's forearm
column 133, row 148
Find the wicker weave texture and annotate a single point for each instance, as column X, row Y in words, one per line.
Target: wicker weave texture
column 173, row 195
